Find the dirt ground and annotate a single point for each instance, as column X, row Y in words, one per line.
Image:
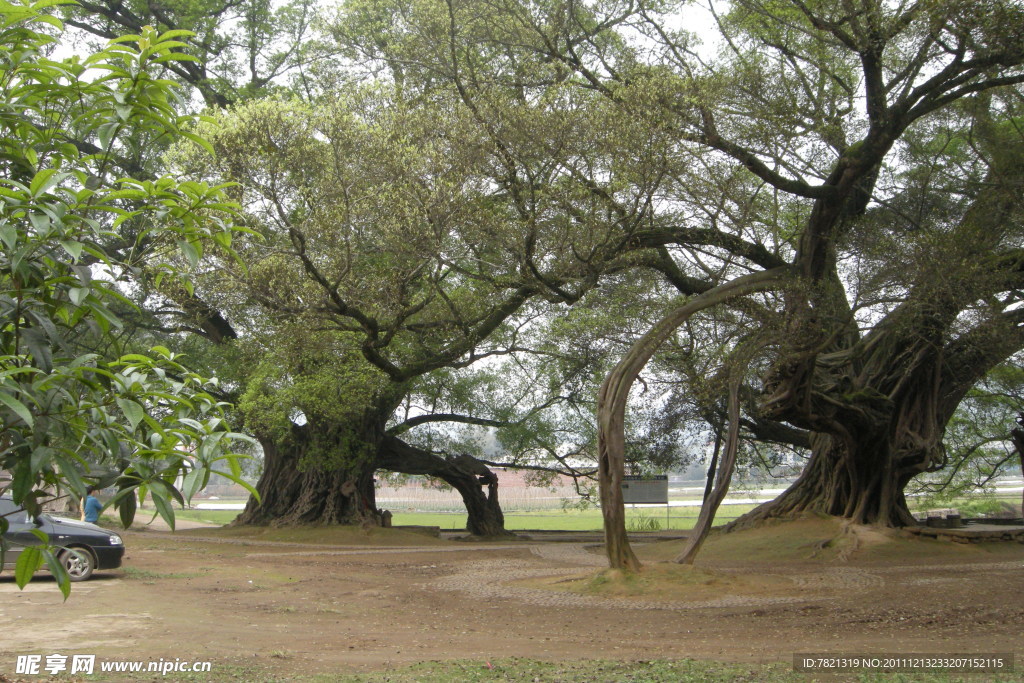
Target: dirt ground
column 322, row 601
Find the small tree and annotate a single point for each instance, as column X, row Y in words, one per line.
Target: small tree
column 62, row 410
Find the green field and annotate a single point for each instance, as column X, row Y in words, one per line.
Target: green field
column 640, row 519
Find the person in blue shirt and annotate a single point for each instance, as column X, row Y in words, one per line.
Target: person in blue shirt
column 91, row 506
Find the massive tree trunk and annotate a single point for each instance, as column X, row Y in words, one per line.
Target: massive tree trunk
column 296, row 488
column 464, row 473
column 860, row 480
column 299, row 485
column 484, row 517
column 877, row 413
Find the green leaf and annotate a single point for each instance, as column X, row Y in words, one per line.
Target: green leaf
column 127, row 506
column 78, row 294
column 29, row 562
column 60, row 574
column 105, row 133
column 18, row 407
column 41, row 458
column 44, row 180
column 41, row 223
column 73, row 247
column 236, row 467
column 190, row 251
column 39, row 346
column 175, row 33
column 248, row 487
column 9, row 235
column 44, row 4
column 194, row 482
column 22, row 483
column 134, row 358
column 163, row 504
column 70, row 471
column 132, row 411
column 176, row 57
column 202, row 142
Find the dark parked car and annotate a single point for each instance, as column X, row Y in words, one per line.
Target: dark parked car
column 84, row 547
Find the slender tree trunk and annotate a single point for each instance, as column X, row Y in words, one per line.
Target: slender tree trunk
column 1017, row 437
column 614, row 394
column 712, row 502
column 292, row 493
column 709, row 486
column 610, row 472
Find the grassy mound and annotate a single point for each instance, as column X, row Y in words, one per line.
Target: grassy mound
column 668, row 581
column 826, row 540
column 740, row 564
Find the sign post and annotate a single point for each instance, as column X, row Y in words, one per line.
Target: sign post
column 651, row 490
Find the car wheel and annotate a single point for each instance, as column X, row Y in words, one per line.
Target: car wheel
column 78, row 562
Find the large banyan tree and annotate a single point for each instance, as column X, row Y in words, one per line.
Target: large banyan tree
column 401, row 238
column 416, row 199
column 357, row 194
column 859, row 160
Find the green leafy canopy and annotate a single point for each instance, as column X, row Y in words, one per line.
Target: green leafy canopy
column 62, row 412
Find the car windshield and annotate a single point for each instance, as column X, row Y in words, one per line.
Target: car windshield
column 16, row 513
column 7, row 507
column 12, row 512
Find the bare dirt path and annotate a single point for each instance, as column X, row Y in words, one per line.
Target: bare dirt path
column 301, row 609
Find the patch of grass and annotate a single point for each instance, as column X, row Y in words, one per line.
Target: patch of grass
column 643, row 523
column 987, row 506
column 783, row 541
column 970, row 506
column 822, row 540
column 145, row 574
column 218, row 517
column 614, row 581
column 588, row 671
